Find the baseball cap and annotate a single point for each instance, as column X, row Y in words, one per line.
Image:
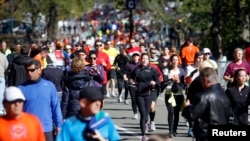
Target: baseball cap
column 135, row 54
column 59, row 44
column 91, row 93
column 13, row 93
column 45, row 48
column 206, row 50
column 77, row 44
column 32, row 42
column 208, row 64
column 81, row 51
column 68, row 47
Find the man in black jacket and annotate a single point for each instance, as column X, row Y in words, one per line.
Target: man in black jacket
column 212, row 106
column 17, row 73
column 55, row 75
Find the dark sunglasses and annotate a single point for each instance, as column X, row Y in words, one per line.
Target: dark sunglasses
column 93, row 58
column 31, row 70
column 98, row 45
column 207, row 53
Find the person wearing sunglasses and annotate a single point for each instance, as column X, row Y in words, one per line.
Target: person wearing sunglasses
column 102, row 59
column 17, row 125
column 134, row 48
column 154, row 59
column 42, row 100
column 95, row 70
column 112, row 53
column 206, row 54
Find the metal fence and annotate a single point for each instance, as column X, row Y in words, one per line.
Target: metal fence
column 222, row 65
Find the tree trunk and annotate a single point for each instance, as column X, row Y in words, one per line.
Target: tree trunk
column 239, row 22
column 216, row 26
column 52, row 21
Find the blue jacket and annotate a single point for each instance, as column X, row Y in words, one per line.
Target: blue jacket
column 42, row 101
column 74, row 127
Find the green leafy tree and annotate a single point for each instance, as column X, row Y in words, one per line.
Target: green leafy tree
column 54, row 10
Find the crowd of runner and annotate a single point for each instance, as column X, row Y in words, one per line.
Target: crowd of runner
column 56, row 77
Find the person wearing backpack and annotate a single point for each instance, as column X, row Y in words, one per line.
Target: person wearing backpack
column 76, row 80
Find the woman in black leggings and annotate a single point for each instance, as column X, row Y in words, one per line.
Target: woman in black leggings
column 120, row 63
column 177, row 74
column 146, row 80
column 130, row 67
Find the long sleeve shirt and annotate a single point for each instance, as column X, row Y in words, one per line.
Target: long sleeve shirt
column 74, row 127
column 142, row 76
column 239, row 103
column 3, row 64
column 42, row 101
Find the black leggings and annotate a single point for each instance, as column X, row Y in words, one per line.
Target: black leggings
column 120, row 85
column 132, row 91
column 173, row 112
column 144, row 104
column 104, row 89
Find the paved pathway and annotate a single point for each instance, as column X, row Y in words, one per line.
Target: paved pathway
column 129, row 128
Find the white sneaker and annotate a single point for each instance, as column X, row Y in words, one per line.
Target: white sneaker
column 108, row 95
column 187, row 123
column 126, row 102
column 135, row 117
column 146, row 128
column 119, row 100
column 152, row 126
column 113, row 95
column 144, row 138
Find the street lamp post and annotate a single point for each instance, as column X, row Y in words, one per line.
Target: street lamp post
column 130, row 5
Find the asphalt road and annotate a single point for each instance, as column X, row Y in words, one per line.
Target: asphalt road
column 129, row 128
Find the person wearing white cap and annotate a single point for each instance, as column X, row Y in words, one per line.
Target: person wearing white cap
column 206, row 53
column 68, row 50
column 17, row 125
